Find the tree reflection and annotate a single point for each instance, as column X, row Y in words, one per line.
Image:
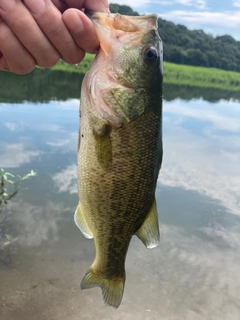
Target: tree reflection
column 43, row 85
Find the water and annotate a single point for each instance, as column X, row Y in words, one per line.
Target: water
column 193, row 274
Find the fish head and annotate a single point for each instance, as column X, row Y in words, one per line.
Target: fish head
column 129, row 60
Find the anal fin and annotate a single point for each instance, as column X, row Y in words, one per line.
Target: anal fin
column 148, row 233
column 81, row 222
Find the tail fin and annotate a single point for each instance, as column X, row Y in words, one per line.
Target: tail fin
column 112, row 289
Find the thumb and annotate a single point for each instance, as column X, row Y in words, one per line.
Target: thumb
column 81, row 29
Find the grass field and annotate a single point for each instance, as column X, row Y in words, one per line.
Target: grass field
column 177, row 74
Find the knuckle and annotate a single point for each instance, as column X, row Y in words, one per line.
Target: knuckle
column 75, row 58
column 23, row 69
column 49, row 61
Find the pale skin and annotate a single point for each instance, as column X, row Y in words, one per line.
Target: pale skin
column 40, row 32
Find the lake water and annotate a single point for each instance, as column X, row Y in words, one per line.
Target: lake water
column 193, row 274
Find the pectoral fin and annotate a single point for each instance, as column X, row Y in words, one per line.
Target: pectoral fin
column 103, row 145
column 81, row 222
column 148, row 233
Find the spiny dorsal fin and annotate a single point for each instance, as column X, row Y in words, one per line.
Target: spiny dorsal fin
column 148, row 233
column 112, row 289
column 81, row 222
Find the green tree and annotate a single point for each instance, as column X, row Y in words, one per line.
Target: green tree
column 124, row 10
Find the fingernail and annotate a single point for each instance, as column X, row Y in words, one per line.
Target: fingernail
column 75, row 23
column 7, row 5
column 35, row 6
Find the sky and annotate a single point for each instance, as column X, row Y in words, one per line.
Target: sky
column 216, row 17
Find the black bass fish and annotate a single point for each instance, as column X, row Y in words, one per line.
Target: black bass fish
column 120, row 146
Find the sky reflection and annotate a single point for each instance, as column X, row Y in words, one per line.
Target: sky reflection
column 201, row 149
column 193, row 274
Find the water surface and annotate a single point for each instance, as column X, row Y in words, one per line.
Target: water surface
column 193, row 274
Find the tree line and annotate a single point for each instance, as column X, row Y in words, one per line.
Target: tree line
column 193, row 47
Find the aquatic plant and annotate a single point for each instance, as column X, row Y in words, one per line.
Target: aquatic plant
column 9, row 187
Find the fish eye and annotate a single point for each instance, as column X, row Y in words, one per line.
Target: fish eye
column 150, row 54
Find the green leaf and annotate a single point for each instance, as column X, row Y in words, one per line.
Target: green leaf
column 11, row 182
column 10, row 196
column 30, row 174
column 8, row 236
column 9, row 174
column 6, row 243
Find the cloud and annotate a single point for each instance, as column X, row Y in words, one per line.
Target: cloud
column 16, row 154
column 200, row 4
column 193, row 19
column 136, row 3
column 66, row 180
column 236, row 3
column 144, row 3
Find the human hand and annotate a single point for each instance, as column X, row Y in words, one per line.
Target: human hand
column 34, row 32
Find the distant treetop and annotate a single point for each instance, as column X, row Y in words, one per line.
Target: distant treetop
column 125, row 10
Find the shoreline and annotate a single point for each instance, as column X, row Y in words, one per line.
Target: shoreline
column 175, row 74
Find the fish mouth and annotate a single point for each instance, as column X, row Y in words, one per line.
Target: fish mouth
column 128, row 30
column 124, row 23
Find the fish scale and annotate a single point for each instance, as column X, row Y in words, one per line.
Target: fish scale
column 120, row 148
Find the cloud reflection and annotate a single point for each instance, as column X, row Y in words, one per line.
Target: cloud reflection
column 44, row 126
column 36, row 224
column 66, row 180
column 14, row 126
column 15, row 154
column 203, row 162
column 189, row 277
column 70, row 104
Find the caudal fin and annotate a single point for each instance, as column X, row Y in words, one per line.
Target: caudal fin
column 112, row 289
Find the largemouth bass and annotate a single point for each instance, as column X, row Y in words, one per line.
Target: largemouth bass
column 120, row 146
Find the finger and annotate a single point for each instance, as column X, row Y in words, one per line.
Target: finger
column 51, row 23
column 82, row 29
column 25, row 28
column 95, row 5
column 14, row 57
column 3, row 64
